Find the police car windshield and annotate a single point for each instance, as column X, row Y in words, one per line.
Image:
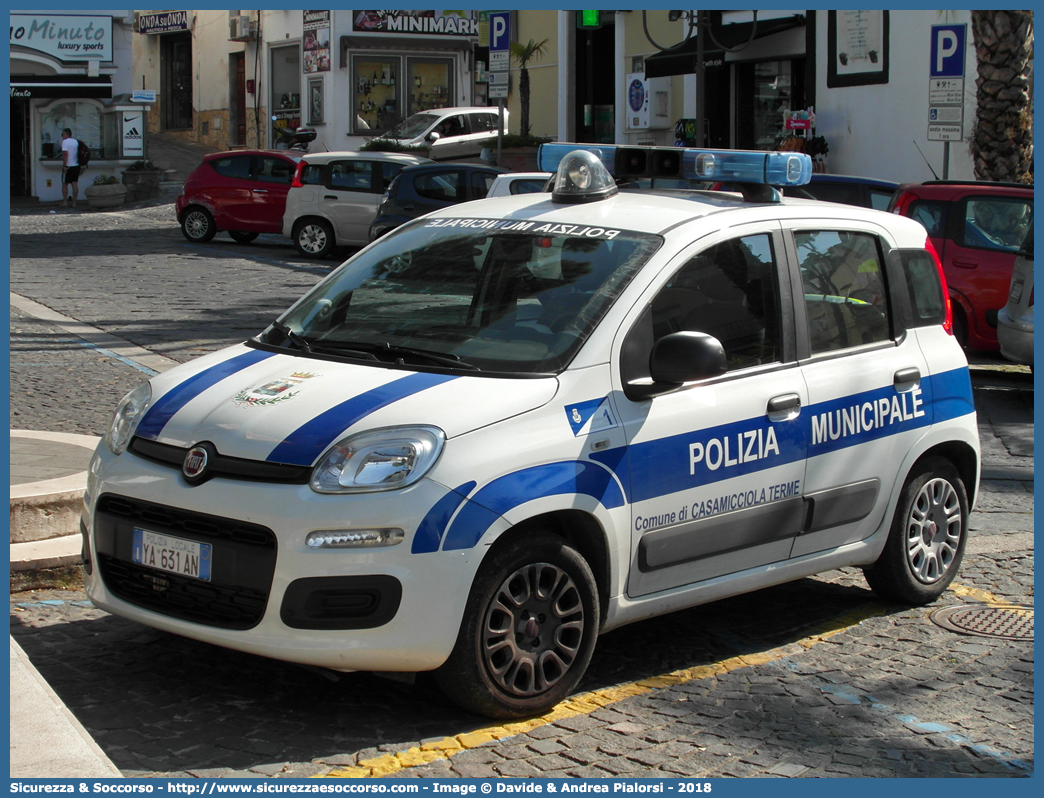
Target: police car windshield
column 500, row 295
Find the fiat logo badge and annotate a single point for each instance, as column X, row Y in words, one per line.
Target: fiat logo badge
column 195, row 462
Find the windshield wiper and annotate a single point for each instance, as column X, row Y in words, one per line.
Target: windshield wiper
column 434, row 357
column 297, row 340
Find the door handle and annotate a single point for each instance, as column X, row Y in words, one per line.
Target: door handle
column 407, row 207
column 906, row 377
column 965, row 264
column 784, row 402
column 330, row 196
column 260, row 190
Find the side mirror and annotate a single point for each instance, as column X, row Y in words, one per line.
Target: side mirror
column 686, row 356
column 679, row 358
column 433, row 136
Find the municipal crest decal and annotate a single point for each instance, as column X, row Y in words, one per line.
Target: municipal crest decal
column 272, row 392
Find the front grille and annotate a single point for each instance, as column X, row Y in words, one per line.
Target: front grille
column 223, row 465
column 244, row 557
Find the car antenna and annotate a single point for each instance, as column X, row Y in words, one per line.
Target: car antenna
column 925, row 159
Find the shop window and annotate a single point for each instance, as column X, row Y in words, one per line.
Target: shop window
column 375, row 94
column 286, row 89
column 431, row 84
column 83, row 118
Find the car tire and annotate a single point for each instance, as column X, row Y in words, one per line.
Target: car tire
column 926, row 542
column 242, row 236
column 197, row 225
column 528, row 631
column 313, row 238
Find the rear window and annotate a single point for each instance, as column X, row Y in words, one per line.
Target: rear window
column 442, row 186
column 233, row 166
column 312, row 174
column 927, row 305
column 931, row 214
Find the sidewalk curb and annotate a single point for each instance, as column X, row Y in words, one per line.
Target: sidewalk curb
column 46, row 739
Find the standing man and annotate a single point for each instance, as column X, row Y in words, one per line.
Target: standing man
column 70, row 167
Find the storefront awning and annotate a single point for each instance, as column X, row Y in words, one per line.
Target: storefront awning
column 403, row 44
column 681, row 59
column 33, row 86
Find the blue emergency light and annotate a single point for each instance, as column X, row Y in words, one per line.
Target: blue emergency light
column 749, row 167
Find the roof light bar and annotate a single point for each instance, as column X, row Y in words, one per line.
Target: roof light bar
column 733, row 166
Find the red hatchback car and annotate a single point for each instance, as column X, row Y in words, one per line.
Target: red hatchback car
column 976, row 229
column 242, row 192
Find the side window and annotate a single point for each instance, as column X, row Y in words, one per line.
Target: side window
column 527, row 186
column 451, row 126
column 931, row 214
column 233, row 166
column 351, row 176
column 388, row 173
column 844, row 285
column 442, row 186
column 483, row 122
column 273, row 170
column 481, row 183
column 995, row 223
column 730, row 291
column 312, row 174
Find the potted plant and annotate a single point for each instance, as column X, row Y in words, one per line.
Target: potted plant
column 142, row 179
column 817, row 148
column 517, row 153
column 106, row 192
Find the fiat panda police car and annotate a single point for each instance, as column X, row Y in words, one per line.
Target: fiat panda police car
column 515, row 424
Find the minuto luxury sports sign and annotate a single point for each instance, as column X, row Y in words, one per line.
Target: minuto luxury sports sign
column 65, row 36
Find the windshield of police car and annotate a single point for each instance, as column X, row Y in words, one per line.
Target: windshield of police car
column 480, row 294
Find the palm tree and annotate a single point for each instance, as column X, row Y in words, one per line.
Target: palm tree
column 1002, row 137
column 524, row 53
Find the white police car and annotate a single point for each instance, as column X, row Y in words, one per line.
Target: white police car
column 514, row 424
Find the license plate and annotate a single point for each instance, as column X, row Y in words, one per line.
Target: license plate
column 171, row 554
column 1016, row 291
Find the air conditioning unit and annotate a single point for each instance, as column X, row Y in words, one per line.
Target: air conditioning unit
column 241, row 29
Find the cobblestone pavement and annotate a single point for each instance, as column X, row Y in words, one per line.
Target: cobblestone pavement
column 814, row 678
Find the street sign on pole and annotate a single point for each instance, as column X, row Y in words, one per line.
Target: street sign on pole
column 946, row 56
column 499, row 66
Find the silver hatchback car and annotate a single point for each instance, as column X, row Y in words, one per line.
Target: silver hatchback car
column 1015, row 319
column 334, row 197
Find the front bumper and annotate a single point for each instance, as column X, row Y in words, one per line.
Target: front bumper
column 273, row 577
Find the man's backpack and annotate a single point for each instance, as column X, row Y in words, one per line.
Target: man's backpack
column 83, row 154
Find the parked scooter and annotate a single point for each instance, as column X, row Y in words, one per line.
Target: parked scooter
column 295, row 139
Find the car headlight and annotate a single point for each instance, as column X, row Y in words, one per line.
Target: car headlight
column 128, row 413
column 382, row 459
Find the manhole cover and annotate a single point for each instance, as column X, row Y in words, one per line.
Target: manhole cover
column 1002, row 621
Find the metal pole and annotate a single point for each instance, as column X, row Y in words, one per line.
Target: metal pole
column 701, row 110
column 500, row 127
column 946, row 160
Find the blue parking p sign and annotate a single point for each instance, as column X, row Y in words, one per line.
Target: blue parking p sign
column 499, row 31
column 947, row 51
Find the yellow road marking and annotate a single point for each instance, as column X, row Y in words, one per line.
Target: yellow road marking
column 586, row 703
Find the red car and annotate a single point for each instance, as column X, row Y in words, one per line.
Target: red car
column 976, row 229
column 242, row 192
